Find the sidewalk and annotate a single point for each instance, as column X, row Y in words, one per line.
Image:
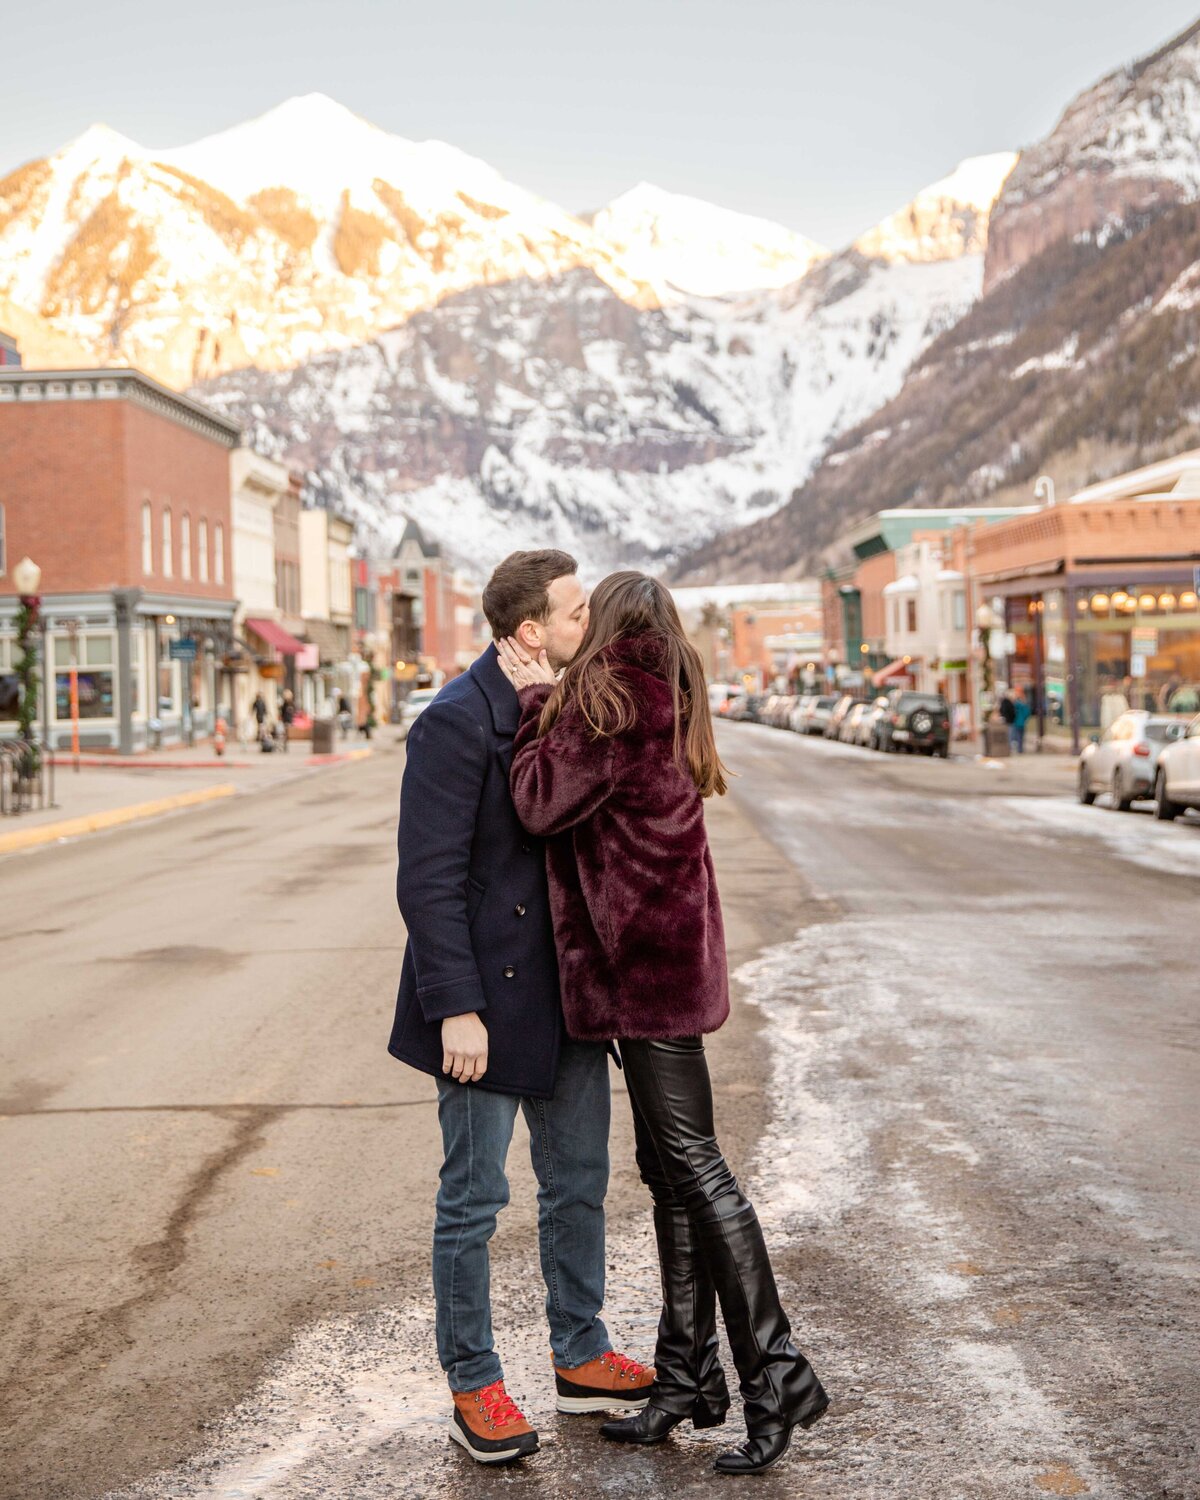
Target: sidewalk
column 108, row 790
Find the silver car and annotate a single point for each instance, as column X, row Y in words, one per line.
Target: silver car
column 1123, row 760
column 412, row 706
column 848, row 730
column 1177, row 782
column 871, row 715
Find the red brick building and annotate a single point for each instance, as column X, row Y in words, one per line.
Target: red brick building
column 119, row 489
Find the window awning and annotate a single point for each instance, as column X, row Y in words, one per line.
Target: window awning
column 894, row 669
column 275, row 635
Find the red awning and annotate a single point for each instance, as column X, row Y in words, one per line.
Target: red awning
column 275, row 635
column 894, row 669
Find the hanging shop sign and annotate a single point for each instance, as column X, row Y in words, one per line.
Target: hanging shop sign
column 1143, row 641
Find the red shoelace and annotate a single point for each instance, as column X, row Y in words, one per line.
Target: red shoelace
column 497, row 1405
column 624, row 1367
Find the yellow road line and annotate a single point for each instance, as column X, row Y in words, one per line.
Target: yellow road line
column 113, row 817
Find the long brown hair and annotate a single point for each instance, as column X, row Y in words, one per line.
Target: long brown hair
column 634, row 606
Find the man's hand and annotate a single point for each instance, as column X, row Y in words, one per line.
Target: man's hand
column 520, row 667
column 464, row 1047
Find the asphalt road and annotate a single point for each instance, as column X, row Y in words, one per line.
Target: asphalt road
column 960, row 1077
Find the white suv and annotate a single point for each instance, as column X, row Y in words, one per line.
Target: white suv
column 1177, row 779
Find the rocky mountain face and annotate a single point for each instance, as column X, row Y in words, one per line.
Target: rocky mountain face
column 1082, row 363
column 1078, row 361
column 300, row 231
column 424, row 338
column 555, row 411
column 1125, row 147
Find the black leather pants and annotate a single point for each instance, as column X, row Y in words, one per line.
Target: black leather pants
column 709, row 1243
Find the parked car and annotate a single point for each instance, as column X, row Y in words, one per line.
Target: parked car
column 746, row 707
column 872, row 713
column 1124, row 759
column 799, row 717
column 820, row 713
column 840, row 709
column 1177, row 775
column 721, row 696
column 914, row 721
column 412, row 706
column 848, row 729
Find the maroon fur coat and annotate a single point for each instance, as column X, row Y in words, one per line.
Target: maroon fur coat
column 637, row 918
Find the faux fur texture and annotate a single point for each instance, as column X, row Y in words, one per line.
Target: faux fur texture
column 633, row 894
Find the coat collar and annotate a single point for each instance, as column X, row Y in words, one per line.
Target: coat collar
column 499, row 692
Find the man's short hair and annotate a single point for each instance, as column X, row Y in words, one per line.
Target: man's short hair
column 519, row 589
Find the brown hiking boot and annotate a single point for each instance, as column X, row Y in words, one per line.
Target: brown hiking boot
column 488, row 1425
column 610, row 1381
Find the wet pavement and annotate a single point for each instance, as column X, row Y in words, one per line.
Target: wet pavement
column 960, row 1080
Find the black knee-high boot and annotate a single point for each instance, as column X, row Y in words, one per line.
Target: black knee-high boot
column 689, row 1380
column 777, row 1382
column 670, row 1085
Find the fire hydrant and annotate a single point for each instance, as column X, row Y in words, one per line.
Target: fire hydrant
column 219, row 736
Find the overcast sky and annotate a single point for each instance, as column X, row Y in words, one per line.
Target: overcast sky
column 824, row 116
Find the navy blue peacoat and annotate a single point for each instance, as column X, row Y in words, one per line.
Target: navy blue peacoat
column 472, row 889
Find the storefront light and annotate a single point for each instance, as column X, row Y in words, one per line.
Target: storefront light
column 1081, row 605
column 1129, row 605
column 1187, row 600
column 1147, row 602
column 1166, row 601
column 1100, row 604
column 1119, row 597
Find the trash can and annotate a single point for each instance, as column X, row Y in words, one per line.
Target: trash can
column 322, row 736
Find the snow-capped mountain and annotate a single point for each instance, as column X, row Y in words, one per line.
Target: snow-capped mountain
column 305, row 229
column 1080, row 358
column 425, row 338
column 1128, row 145
column 945, row 220
column 682, row 244
column 556, row 412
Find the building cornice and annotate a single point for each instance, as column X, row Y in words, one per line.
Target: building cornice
column 20, row 385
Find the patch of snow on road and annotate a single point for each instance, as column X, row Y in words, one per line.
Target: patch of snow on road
column 1173, row 849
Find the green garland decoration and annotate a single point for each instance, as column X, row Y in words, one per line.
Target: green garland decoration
column 27, row 675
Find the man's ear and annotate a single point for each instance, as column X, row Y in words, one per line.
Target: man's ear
column 531, row 635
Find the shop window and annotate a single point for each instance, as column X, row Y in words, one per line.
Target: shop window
column 202, row 548
column 219, row 552
column 910, row 606
column 147, row 538
column 960, row 610
column 95, row 677
column 185, row 545
column 167, row 563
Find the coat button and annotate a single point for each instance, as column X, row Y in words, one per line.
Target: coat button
column 519, row 908
column 509, row 972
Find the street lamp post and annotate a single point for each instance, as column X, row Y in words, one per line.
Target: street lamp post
column 986, row 621
column 27, row 580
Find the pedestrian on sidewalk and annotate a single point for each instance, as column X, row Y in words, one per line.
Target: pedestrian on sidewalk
column 1021, row 716
column 479, row 1008
column 611, row 765
column 287, row 715
column 259, row 709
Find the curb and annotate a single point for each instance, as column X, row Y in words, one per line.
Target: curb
column 142, row 763
column 51, row 833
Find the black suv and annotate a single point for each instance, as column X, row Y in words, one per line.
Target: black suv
column 914, row 721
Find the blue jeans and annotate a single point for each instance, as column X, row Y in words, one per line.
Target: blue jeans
column 568, row 1144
